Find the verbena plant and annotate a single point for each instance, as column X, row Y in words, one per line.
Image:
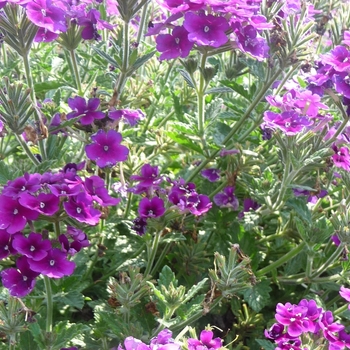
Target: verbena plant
column 174, row 174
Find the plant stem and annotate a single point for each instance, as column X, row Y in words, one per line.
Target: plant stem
column 49, row 304
column 281, row 261
column 200, row 97
column 27, row 150
column 340, row 310
column 73, row 59
column 152, row 251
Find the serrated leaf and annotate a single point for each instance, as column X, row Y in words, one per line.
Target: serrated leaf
column 166, row 277
column 265, row 344
column 72, row 298
column 219, row 90
column 258, row 296
column 183, row 128
column 301, row 209
column 233, row 86
column 220, row 132
column 194, row 290
column 187, row 78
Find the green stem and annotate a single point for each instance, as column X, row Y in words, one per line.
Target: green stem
column 328, row 262
column 152, row 251
column 201, row 97
column 238, row 124
column 27, row 150
column 49, row 304
column 281, row 261
column 73, row 59
column 340, row 310
column 142, row 22
column 160, row 259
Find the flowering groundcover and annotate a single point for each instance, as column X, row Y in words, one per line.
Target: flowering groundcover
column 174, row 174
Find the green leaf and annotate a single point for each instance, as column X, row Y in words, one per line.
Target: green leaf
column 185, row 142
column 166, row 277
column 48, row 85
column 233, row 86
column 187, row 78
column 72, row 298
column 258, row 296
column 265, row 344
column 140, row 61
column 301, row 209
column 194, row 290
column 220, row 132
column 107, row 57
column 219, row 90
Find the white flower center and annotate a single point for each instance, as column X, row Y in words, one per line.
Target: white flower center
column 52, row 262
column 177, row 40
column 206, row 29
column 23, row 188
column 15, row 211
column 25, row 278
column 287, row 125
column 42, row 205
column 32, row 248
column 105, row 148
column 43, row 11
column 78, row 210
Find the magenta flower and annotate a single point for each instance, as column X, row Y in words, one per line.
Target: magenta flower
column 20, row 281
column 175, row 44
column 44, row 35
column 151, row 208
column 87, row 111
column 6, row 244
column 341, row 158
column 131, row 116
column 14, row 216
column 106, row 149
column 95, row 187
column 329, row 328
column 206, row 342
column 338, row 58
column 27, row 183
column 345, row 293
column 211, row 174
column 80, row 208
column 275, row 332
column 45, row 15
column 226, row 198
column 206, row 29
column 248, row 205
column 44, row 203
column 198, row 204
column 33, row 246
column 139, row 226
column 54, row 265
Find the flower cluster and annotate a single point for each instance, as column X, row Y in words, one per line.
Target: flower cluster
column 48, row 197
column 212, row 24
column 163, row 341
column 182, row 196
column 308, row 320
column 55, row 17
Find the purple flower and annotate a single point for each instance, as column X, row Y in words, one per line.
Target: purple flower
column 164, row 341
column 329, row 327
column 275, row 331
column 54, row 265
column 174, row 45
column 338, row 58
column 95, row 187
column 198, row 204
column 248, row 204
column 14, row 216
column 345, row 293
column 211, row 175
column 227, row 152
column 87, row 111
column 33, row 246
column 6, row 247
column 106, row 149
column 20, row 281
column 148, row 180
column 140, row 226
column 131, row 343
column 295, row 317
column 44, row 203
column 341, row 158
column 44, row 35
column 80, row 208
column 291, row 123
column 206, row 342
column 151, row 208
column 131, row 116
column 30, row 183
column 226, row 198
column 206, row 29
column 45, row 15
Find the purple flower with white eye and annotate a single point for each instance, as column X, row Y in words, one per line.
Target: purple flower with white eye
column 106, row 149
column 151, row 208
column 329, row 328
column 80, row 208
column 86, row 111
column 211, row 174
column 198, row 204
column 20, row 281
column 338, row 58
column 131, row 116
column 54, row 265
column 206, row 29
column 44, row 203
column 226, row 198
column 175, row 44
column 341, row 158
column 275, row 332
column 44, row 35
column 290, row 122
column 45, row 15
column 14, row 216
column 27, row 183
column 342, row 84
column 149, row 180
column 95, row 187
column 249, row 41
column 6, row 247
column 206, row 342
column 140, row 226
column 33, row 246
